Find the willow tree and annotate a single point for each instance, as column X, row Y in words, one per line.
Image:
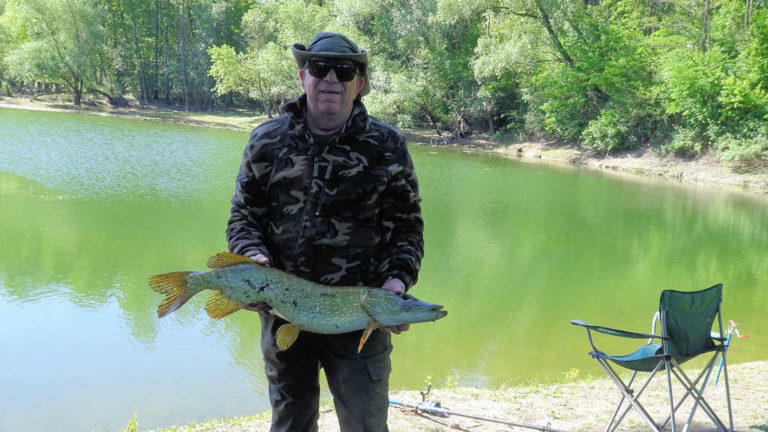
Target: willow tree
column 64, row 46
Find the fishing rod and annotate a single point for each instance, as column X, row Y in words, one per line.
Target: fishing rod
column 732, row 328
column 435, row 409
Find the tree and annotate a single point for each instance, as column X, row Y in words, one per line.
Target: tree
column 64, row 46
column 268, row 75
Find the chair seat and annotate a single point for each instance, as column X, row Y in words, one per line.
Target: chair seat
column 644, row 359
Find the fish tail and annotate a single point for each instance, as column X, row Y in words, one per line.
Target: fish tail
column 175, row 287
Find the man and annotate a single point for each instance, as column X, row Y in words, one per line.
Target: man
column 330, row 194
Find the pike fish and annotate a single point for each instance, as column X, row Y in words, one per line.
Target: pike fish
column 238, row 282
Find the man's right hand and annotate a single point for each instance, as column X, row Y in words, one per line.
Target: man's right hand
column 260, row 259
column 259, row 307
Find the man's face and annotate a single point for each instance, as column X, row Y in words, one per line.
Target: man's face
column 328, row 98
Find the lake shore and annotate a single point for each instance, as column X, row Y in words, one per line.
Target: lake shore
column 578, row 406
column 643, row 162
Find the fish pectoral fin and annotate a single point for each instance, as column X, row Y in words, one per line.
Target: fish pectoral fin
column 227, row 259
column 218, row 306
column 373, row 325
column 286, row 336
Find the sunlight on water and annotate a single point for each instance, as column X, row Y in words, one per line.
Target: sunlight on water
column 91, row 206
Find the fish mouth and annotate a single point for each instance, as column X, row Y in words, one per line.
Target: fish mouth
column 435, row 312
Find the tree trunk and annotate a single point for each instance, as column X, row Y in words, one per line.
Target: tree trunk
column 167, row 86
column 488, row 22
column 547, row 23
column 77, row 89
column 705, row 28
column 139, row 67
column 749, row 8
column 183, row 53
column 155, row 94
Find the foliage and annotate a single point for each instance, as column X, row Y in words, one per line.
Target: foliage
column 452, row 381
column 63, row 44
column 611, row 75
column 572, row 375
column 133, row 424
column 686, row 142
column 267, row 75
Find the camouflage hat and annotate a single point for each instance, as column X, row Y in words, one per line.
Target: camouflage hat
column 333, row 45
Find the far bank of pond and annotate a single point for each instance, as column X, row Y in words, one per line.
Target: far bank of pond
column 644, row 161
column 578, row 406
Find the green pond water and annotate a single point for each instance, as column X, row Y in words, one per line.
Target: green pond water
column 91, row 206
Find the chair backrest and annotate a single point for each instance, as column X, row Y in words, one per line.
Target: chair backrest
column 687, row 318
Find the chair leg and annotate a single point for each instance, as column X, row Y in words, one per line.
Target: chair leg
column 728, row 393
column 685, row 396
column 638, row 394
column 671, row 398
column 627, row 393
column 691, row 388
column 703, row 387
column 611, row 426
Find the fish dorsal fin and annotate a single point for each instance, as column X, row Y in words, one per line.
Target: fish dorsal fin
column 226, row 259
column 218, row 306
column 286, row 336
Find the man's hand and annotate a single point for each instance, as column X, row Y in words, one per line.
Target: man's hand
column 261, row 306
column 398, row 287
column 260, row 259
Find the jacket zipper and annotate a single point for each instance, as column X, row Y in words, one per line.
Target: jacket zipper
column 315, row 175
column 308, row 187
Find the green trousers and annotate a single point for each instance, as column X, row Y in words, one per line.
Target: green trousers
column 359, row 383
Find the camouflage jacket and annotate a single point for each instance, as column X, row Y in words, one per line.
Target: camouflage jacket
column 344, row 213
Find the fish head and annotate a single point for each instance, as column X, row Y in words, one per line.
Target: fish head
column 396, row 310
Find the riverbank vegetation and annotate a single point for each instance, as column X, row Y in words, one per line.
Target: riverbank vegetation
column 684, row 77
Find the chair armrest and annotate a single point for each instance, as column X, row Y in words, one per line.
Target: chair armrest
column 716, row 336
column 616, row 332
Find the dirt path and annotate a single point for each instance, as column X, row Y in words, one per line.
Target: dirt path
column 646, row 162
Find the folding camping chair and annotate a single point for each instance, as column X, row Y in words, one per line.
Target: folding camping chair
column 686, row 332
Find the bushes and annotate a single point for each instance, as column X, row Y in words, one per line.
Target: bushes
column 717, row 102
column 609, row 131
column 748, row 145
column 5, row 89
column 687, row 142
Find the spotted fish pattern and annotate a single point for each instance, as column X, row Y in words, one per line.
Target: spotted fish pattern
column 346, row 212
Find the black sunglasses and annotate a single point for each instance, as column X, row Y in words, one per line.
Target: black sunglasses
column 344, row 72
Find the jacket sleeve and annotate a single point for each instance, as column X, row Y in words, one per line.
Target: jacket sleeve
column 403, row 239
column 246, row 225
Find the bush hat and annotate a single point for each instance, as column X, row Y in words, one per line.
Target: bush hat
column 333, row 45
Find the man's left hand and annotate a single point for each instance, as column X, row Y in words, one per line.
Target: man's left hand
column 398, row 287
